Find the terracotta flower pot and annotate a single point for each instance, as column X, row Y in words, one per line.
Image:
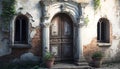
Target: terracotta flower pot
column 49, row 63
column 96, row 62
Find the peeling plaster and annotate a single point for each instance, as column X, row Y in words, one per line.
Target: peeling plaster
column 33, row 7
column 88, row 33
column 35, row 24
column 32, row 34
column 90, row 48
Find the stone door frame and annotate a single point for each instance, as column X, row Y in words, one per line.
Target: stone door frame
column 74, row 10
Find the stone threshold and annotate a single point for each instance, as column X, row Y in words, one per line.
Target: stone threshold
column 69, row 66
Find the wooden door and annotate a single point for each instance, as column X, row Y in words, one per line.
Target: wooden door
column 61, row 37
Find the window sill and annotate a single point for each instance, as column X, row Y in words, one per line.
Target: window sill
column 103, row 44
column 20, row 45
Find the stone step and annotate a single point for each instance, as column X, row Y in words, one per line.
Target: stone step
column 70, row 66
column 82, row 64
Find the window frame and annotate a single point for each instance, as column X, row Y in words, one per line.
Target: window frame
column 21, row 19
column 103, row 26
column 12, row 34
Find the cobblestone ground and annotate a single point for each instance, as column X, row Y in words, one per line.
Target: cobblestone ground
column 110, row 66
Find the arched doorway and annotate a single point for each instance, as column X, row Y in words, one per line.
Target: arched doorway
column 61, row 37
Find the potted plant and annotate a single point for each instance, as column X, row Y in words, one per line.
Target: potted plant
column 97, row 59
column 49, row 59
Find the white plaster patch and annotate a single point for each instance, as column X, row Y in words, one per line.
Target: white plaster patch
column 32, row 34
column 35, row 24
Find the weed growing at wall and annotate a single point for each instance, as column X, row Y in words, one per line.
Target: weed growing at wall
column 8, row 11
column 96, row 4
column 86, row 20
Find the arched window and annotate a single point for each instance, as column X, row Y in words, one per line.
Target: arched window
column 103, row 30
column 21, row 30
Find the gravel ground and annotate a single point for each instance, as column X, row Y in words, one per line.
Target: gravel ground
column 110, row 66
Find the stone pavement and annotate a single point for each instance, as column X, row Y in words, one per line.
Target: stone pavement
column 109, row 66
column 72, row 66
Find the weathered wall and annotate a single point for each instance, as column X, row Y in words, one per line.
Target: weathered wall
column 33, row 8
column 4, row 49
column 89, row 32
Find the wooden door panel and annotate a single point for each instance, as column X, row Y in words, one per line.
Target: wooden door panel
column 66, row 40
column 55, row 28
column 67, row 51
column 67, row 29
column 55, row 41
column 55, row 48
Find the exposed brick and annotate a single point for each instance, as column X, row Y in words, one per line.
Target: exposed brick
column 90, row 49
column 36, row 43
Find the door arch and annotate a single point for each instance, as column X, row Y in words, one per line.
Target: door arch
column 61, row 37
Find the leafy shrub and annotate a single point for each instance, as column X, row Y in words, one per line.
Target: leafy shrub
column 97, row 54
column 48, row 56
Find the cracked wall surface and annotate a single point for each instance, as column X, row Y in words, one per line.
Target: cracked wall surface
column 88, row 32
column 32, row 10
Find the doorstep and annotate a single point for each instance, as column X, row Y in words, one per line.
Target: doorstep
column 69, row 66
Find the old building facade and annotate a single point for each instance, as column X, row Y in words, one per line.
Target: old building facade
column 72, row 29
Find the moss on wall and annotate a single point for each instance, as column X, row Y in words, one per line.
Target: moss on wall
column 8, row 11
column 96, row 4
column 86, row 20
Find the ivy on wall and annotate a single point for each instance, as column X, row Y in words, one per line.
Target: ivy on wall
column 8, row 11
column 96, row 4
column 86, row 20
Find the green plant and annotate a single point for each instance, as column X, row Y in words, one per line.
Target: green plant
column 97, row 54
column 97, row 59
column 48, row 56
column 86, row 20
column 49, row 59
column 96, row 4
column 8, row 11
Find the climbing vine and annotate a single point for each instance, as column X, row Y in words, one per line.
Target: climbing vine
column 96, row 4
column 8, row 11
column 86, row 20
